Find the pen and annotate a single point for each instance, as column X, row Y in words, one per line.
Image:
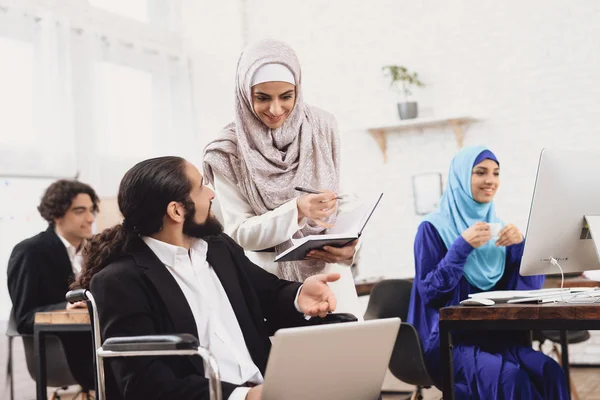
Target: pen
column 311, row 191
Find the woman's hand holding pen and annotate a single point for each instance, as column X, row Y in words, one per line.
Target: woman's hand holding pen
column 317, row 207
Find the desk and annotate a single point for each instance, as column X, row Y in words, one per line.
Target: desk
column 363, row 288
column 579, row 282
column 54, row 322
column 514, row 317
column 553, row 281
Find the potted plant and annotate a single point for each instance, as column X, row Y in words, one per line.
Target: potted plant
column 401, row 80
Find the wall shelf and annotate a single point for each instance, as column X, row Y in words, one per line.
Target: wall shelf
column 459, row 126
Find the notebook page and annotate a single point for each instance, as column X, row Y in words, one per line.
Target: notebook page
column 352, row 222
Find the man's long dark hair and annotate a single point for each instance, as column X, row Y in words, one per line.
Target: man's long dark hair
column 144, row 193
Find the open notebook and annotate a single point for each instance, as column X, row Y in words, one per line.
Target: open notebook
column 348, row 227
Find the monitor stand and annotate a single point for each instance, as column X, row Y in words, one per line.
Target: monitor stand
column 593, row 225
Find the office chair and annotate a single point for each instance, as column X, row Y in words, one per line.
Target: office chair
column 59, row 373
column 391, row 298
column 11, row 333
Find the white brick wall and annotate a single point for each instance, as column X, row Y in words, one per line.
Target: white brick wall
column 530, row 70
column 212, row 36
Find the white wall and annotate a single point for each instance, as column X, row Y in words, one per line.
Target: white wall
column 529, row 69
column 212, row 35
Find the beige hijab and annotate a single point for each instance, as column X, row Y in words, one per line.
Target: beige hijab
column 267, row 164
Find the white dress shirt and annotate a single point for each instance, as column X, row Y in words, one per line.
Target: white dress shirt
column 74, row 255
column 257, row 232
column 218, row 328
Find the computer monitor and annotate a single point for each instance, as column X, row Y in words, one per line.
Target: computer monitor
column 564, row 215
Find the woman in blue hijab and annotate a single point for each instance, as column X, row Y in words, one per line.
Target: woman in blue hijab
column 455, row 255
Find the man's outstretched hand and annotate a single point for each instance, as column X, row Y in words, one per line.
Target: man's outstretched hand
column 316, row 297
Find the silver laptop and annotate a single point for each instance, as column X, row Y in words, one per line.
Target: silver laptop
column 344, row 361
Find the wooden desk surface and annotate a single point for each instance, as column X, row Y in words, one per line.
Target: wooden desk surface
column 512, row 317
column 364, row 288
column 72, row 317
column 551, row 311
column 579, row 282
column 553, row 281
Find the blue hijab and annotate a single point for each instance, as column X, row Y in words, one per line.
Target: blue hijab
column 458, row 211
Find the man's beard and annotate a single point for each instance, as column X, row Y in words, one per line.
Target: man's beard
column 210, row 227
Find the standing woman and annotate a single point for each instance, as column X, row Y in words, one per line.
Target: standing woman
column 455, row 255
column 276, row 143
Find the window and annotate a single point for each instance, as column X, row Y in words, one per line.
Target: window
column 136, row 9
column 124, row 105
column 16, row 95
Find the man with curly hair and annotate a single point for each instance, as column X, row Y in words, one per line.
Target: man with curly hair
column 41, row 268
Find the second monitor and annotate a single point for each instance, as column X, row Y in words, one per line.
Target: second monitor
column 564, row 220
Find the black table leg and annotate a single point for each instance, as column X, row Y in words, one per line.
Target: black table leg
column 446, row 359
column 39, row 345
column 564, row 344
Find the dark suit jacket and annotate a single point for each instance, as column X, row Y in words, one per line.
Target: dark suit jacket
column 136, row 295
column 39, row 274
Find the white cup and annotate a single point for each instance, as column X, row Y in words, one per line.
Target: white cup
column 495, row 228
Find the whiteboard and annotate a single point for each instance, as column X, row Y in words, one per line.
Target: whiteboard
column 19, row 220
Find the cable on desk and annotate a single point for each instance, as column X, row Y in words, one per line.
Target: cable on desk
column 583, row 297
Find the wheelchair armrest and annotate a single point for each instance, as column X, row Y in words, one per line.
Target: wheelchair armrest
column 73, row 296
column 333, row 319
column 151, row 343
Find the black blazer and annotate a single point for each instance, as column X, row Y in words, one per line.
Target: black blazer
column 39, row 274
column 136, row 295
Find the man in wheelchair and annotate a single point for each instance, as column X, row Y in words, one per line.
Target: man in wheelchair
column 170, row 269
